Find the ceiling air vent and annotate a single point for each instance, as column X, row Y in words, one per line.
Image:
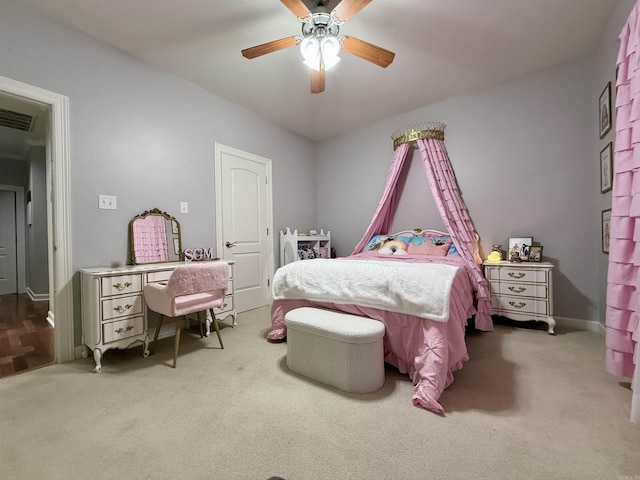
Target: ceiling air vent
column 18, row 121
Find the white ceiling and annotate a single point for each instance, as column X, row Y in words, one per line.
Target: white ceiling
column 444, row 48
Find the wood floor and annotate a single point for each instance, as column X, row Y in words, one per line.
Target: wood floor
column 26, row 338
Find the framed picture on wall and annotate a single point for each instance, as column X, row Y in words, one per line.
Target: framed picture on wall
column 606, row 168
column 604, row 110
column 606, row 230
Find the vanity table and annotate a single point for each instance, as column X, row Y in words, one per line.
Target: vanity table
column 114, row 314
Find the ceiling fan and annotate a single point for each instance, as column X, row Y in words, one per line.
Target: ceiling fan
column 320, row 45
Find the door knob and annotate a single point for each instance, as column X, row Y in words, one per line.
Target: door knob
column 229, row 244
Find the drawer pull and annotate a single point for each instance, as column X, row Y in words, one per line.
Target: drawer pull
column 118, row 286
column 122, row 330
column 518, row 289
column 121, row 309
column 222, row 307
column 516, row 275
column 518, row 305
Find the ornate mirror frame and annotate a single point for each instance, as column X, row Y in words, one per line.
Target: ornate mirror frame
column 154, row 238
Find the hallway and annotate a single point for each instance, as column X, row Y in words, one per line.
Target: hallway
column 26, row 338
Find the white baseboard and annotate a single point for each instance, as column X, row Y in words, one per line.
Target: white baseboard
column 580, row 324
column 37, row 297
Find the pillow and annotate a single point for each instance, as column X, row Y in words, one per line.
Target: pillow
column 412, row 238
column 376, row 242
column 429, row 248
column 440, row 239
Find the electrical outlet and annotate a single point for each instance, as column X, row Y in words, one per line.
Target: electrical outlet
column 184, row 207
column 107, row 202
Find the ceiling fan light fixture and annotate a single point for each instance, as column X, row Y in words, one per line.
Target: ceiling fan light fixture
column 325, row 50
column 330, row 62
column 313, row 63
column 309, row 48
column 320, row 44
column 330, row 48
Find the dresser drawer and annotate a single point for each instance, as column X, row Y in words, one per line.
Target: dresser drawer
column 520, row 305
column 536, row 290
column 155, row 277
column 121, row 307
column 121, row 284
column 122, row 329
column 514, row 274
column 225, row 307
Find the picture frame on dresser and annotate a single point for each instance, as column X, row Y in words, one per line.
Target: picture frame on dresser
column 606, row 230
column 604, row 110
column 519, row 248
column 606, row 168
column 535, row 253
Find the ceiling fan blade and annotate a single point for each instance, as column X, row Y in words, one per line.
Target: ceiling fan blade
column 368, row 51
column 317, row 80
column 296, row 7
column 269, row 47
column 348, row 8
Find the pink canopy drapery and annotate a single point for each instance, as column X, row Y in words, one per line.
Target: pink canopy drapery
column 452, row 209
column 623, row 280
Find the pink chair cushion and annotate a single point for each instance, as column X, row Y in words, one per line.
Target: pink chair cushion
column 191, row 288
column 198, row 277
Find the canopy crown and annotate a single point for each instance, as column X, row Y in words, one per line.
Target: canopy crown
column 418, row 131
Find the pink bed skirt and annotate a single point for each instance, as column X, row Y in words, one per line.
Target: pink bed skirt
column 428, row 351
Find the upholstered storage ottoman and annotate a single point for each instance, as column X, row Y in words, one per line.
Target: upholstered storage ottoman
column 338, row 349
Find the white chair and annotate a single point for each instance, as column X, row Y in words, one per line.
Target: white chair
column 191, row 288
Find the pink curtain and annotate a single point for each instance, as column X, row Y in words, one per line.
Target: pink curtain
column 455, row 216
column 383, row 216
column 623, row 281
column 452, row 210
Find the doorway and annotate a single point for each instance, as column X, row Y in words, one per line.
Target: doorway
column 60, row 311
column 244, row 226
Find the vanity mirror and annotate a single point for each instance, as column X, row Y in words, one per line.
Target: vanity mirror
column 155, row 238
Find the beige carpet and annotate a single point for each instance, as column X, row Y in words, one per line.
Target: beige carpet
column 526, row 406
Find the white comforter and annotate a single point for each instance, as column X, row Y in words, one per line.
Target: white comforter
column 420, row 289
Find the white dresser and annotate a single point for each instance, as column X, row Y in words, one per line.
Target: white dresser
column 522, row 291
column 114, row 314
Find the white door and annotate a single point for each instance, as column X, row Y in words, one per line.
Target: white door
column 8, row 257
column 243, row 223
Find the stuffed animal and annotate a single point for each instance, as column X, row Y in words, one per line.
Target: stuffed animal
column 393, row 247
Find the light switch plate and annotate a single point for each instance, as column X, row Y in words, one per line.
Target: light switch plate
column 107, row 202
column 184, row 207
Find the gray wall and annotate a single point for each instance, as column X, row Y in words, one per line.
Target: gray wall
column 519, row 153
column 14, row 172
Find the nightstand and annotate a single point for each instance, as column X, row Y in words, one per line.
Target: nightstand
column 521, row 291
